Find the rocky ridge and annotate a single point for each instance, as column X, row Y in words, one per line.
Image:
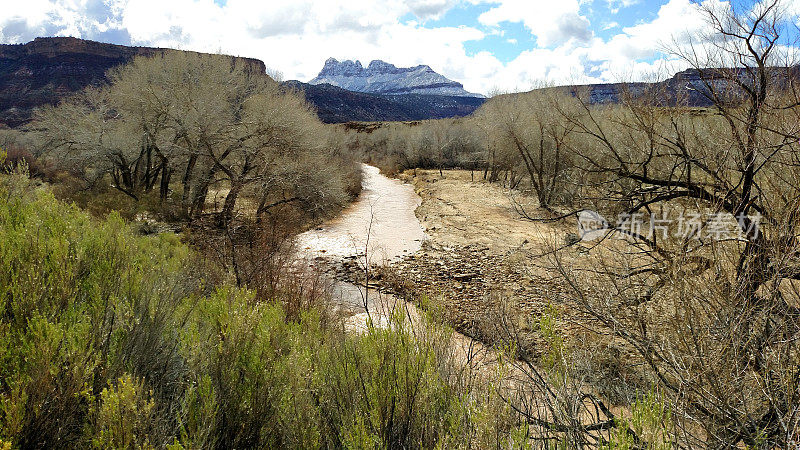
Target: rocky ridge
column 45, row 70
column 380, row 77
column 337, row 105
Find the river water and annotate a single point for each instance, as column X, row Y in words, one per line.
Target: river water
column 378, row 228
column 380, row 223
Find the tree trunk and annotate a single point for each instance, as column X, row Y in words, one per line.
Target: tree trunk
column 166, row 174
column 230, row 203
column 201, row 192
column 187, row 178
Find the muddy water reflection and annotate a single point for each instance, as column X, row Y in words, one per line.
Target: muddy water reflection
column 380, row 225
column 381, row 222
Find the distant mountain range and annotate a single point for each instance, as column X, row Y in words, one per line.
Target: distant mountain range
column 380, row 77
column 45, row 70
column 346, row 91
column 337, row 105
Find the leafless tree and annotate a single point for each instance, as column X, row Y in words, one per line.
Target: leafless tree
column 199, row 122
column 713, row 323
column 529, row 127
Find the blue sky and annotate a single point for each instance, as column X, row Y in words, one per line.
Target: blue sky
column 489, row 45
column 514, row 37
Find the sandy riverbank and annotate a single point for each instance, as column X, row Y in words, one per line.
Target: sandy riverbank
column 480, row 259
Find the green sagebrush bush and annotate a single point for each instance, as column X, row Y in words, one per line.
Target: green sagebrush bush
column 110, row 339
column 388, row 388
column 277, row 383
column 81, row 302
column 649, row 426
column 123, row 416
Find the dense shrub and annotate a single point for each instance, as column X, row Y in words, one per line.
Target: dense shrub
column 435, row 144
column 112, row 340
column 83, row 302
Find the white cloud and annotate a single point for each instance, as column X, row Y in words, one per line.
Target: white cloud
column 22, row 21
column 552, row 22
column 430, row 9
column 296, row 36
column 647, row 46
column 635, row 53
column 615, row 5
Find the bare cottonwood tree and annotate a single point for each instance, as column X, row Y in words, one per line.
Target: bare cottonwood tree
column 196, row 121
column 528, row 130
column 712, row 323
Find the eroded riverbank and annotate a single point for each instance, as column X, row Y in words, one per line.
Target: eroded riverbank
column 480, row 259
column 381, row 228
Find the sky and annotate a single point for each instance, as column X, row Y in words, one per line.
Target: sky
column 488, row 45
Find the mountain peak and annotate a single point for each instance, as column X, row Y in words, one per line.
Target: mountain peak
column 379, row 65
column 381, row 77
column 334, row 67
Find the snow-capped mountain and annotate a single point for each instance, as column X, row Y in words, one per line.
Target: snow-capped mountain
column 380, row 77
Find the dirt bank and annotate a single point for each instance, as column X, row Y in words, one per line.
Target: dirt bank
column 481, row 270
column 457, row 211
column 480, row 258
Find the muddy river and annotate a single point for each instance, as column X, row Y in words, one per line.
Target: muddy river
column 379, row 227
column 381, row 223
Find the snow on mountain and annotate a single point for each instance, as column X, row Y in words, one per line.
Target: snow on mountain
column 380, row 77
